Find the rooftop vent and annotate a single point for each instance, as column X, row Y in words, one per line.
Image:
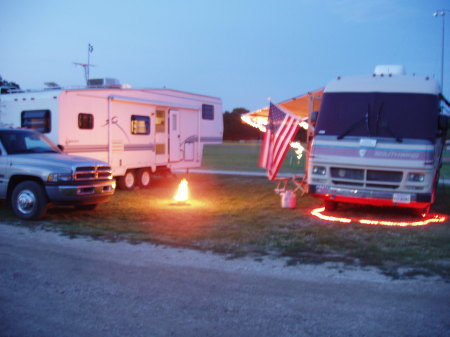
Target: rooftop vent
column 104, row 83
column 389, row 70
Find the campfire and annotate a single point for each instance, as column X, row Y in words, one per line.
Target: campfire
column 182, row 195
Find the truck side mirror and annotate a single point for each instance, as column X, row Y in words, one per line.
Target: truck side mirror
column 314, row 115
column 443, row 122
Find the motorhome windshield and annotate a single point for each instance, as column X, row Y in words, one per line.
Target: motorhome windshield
column 391, row 115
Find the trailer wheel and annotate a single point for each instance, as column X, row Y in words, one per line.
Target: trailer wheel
column 144, row 177
column 127, row 181
column 29, row 201
column 330, row 205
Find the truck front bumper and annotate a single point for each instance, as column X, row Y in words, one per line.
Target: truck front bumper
column 85, row 194
column 371, row 197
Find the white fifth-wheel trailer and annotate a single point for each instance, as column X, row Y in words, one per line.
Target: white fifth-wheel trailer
column 137, row 131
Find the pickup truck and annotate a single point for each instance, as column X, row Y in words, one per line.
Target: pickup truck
column 35, row 173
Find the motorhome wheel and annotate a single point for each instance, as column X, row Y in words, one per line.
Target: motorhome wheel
column 330, row 205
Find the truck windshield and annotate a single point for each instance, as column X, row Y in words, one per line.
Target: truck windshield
column 391, row 115
column 24, row 141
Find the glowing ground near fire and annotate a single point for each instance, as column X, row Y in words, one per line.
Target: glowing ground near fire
column 429, row 219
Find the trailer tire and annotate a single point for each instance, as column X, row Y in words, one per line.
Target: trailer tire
column 29, row 201
column 144, row 177
column 128, row 181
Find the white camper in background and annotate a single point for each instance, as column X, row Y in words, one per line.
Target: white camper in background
column 137, row 131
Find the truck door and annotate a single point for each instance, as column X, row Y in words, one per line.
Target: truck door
column 174, row 136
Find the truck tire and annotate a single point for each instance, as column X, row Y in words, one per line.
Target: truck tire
column 89, row 207
column 29, row 201
column 144, row 177
column 128, row 181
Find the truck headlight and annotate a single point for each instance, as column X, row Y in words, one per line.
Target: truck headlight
column 416, row 177
column 319, row 170
column 57, row 177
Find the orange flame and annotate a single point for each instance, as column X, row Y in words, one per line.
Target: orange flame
column 434, row 218
column 182, row 194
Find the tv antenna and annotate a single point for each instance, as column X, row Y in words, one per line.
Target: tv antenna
column 88, row 65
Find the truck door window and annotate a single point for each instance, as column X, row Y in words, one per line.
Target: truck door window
column 85, row 121
column 38, row 120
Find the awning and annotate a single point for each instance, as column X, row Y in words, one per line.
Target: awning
column 298, row 106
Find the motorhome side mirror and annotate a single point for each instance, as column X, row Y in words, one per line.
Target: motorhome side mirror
column 60, row 147
column 314, row 115
column 443, row 122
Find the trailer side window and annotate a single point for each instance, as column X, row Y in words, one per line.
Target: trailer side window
column 85, row 121
column 208, row 111
column 38, row 120
column 140, row 125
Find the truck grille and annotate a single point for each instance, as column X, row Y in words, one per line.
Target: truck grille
column 366, row 178
column 84, row 173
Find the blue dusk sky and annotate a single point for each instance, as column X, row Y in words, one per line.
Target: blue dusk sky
column 242, row 51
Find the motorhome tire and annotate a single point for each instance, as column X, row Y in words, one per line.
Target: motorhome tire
column 144, row 177
column 330, row 205
column 127, row 181
column 29, row 201
column 421, row 212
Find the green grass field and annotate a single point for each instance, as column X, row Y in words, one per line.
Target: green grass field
column 242, row 216
column 244, row 157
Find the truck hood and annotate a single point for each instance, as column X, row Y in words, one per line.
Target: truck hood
column 55, row 160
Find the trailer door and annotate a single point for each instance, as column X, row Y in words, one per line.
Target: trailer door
column 174, row 136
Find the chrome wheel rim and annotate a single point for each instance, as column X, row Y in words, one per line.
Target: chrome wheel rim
column 26, row 201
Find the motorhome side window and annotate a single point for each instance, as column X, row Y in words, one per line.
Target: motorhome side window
column 208, row 111
column 38, row 120
column 85, row 121
column 140, row 125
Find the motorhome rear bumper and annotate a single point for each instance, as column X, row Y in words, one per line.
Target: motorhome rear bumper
column 371, row 197
column 92, row 193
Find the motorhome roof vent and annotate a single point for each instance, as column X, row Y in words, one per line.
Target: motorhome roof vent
column 389, row 70
column 104, row 83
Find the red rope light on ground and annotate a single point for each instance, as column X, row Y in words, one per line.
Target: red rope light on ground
column 434, row 218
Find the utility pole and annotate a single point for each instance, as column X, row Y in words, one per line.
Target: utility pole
column 441, row 13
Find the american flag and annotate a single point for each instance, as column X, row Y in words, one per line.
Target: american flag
column 281, row 129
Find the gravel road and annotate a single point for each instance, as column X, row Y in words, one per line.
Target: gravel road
column 51, row 285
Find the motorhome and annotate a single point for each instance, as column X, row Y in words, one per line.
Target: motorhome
column 378, row 140
column 373, row 139
column 137, row 131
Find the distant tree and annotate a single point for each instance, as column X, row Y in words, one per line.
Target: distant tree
column 6, row 86
column 235, row 129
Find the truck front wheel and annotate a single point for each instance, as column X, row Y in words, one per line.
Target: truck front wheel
column 28, row 201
